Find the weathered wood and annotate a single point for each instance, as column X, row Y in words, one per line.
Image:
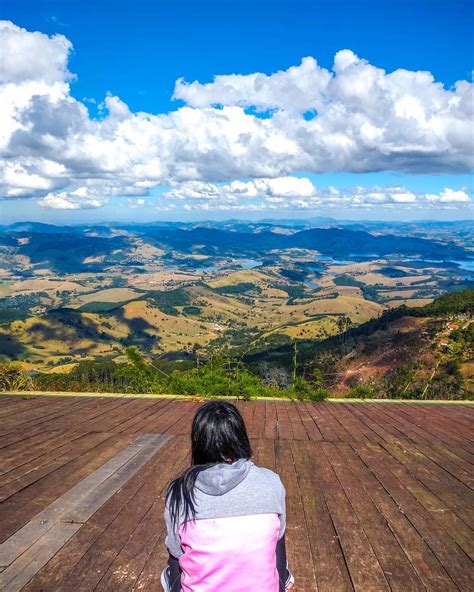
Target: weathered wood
column 20, row 572
column 171, row 455
column 397, row 569
column 425, row 563
column 80, row 502
column 378, row 495
column 299, row 549
column 329, row 563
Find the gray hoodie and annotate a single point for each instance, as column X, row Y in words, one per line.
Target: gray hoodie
column 230, row 490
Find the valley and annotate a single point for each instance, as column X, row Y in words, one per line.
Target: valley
column 75, row 293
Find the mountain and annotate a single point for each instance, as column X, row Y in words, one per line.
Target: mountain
column 71, row 248
column 39, row 228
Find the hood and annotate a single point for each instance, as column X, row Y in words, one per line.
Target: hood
column 221, row 478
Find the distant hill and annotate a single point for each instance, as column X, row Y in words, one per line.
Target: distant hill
column 68, row 248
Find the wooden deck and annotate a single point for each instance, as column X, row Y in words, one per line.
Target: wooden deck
column 379, row 496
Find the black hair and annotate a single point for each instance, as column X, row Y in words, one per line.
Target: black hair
column 218, row 435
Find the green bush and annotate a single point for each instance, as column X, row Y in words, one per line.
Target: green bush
column 13, row 377
column 217, row 378
column 303, row 390
column 319, row 394
column 362, row 391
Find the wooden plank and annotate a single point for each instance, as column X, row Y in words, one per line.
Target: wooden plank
column 15, row 459
column 95, row 563
column 300, row 557
column 397, row 569
column 129, row 563
column 258, row 423
column 25, row 475
column 297, row 426
column 454, row 560
column 309, row 424
column 425, row 563
column 271, row 427
column 164, row 463
column 20, row 508
column 85, row 498
column 20, row 572
column 416, row 418
column 364, row 568
column 454, row 493
column 441, row 512
column 336, row 431
column 283, row 421
column 329, row 563
column 358, row 431
column 322, row 422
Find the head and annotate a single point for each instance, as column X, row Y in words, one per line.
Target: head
column 218, row 435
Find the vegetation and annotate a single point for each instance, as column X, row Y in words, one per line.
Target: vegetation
column 217, row 377
column 73, row 299
column 13, row 377
column 169, row 300
column 236, row 289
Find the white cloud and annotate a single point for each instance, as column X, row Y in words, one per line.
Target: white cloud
column 300, row 89
column 449, row 196
column 81, row 198
column 28, row 56
column 363, row 119
column 299, row 193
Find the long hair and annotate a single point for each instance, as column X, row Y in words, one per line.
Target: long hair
column 218, row 435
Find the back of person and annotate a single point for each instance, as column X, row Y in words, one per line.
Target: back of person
column 225, row 518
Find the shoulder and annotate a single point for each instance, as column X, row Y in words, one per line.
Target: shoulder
column 267, row 477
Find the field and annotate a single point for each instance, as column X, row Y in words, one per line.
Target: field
column 198, row 288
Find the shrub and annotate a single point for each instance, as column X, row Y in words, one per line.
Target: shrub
column 303, row 390
column 319, row 394
column 361, row 391
column 13, row 377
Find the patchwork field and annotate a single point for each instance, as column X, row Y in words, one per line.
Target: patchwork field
column 94, row 292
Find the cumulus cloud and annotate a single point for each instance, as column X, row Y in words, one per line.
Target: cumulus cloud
column 81, row 198
column 28, row 56
column 355, row 117
column 448, row 196
column 299, row 193
column 299, row 89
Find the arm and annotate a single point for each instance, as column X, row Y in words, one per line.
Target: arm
column 284, row 574
column 173, row 575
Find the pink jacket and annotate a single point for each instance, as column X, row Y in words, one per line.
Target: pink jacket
column 230, row 547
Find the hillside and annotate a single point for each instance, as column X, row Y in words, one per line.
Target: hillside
column 424, row 352
column 421, row 353
column 234, row 289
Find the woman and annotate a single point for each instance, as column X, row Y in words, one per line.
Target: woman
column 225, row 517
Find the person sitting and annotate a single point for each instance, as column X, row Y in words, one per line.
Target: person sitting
column 225, row 516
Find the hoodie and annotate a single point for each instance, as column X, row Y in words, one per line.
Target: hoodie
column 230, row 546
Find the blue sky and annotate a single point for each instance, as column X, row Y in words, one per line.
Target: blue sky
column 137, row 50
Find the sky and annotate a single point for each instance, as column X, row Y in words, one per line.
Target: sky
column 149, row 110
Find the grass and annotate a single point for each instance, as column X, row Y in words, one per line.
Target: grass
column 34, row 394
column 112, row 295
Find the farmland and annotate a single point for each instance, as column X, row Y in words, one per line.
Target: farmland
column 192, row 288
